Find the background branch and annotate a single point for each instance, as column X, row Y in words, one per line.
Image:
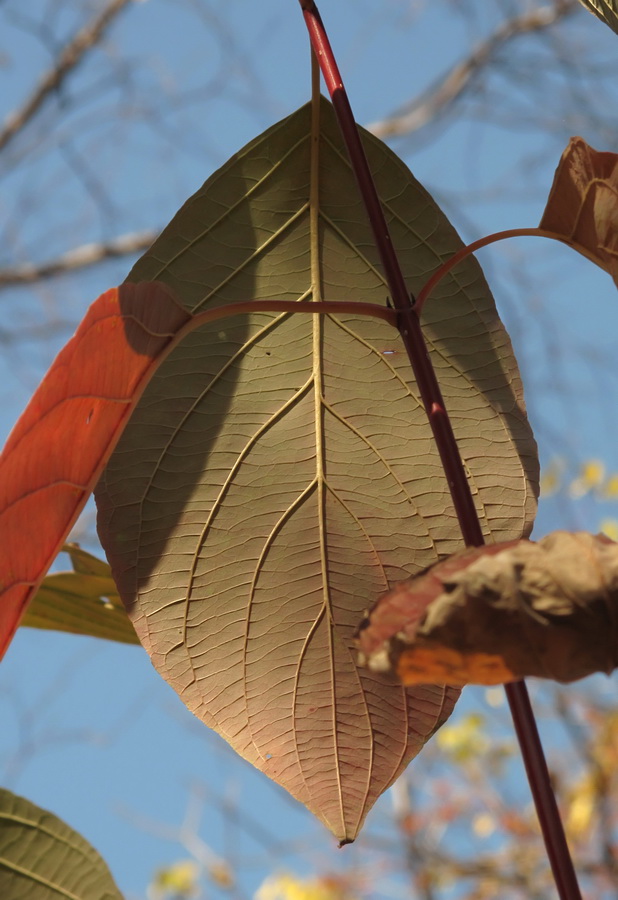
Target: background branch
column 425, row 109
column 68, row 60
column 80, row 258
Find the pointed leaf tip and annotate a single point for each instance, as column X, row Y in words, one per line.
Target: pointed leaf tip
column 279, row 472
column 605, row 10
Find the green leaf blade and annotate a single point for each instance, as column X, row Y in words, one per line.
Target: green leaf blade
column 280, row 474
column 42, row 858
column 84, row 601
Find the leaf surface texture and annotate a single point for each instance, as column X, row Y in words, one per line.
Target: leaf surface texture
column 64, row 437
column 42, row 858
column 279, row 473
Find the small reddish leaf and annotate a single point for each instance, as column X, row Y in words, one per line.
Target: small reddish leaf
column 493, row 614
column 59, row 446
column 583, row 203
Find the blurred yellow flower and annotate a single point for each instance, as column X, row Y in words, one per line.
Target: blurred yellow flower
column 483, row 825
column 178, row 880
column 581, row 807
column 289, row 887
column 464, row 739
column 610, row 488
column 609, row 527
column 591, row 476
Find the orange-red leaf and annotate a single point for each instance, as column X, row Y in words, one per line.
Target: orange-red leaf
column 583, row 203
column 493, row 614
column 59, row 446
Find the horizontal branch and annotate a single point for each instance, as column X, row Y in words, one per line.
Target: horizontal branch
column 422, row 110
column 79, row 258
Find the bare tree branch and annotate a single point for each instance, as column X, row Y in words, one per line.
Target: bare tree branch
column 69, row 58
column 79, row 258
column 425, row 109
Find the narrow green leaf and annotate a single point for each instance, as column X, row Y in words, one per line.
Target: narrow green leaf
column 84, row 601
column 41, row 858
column 605, row 10
column 87, row 564
column 279, row 473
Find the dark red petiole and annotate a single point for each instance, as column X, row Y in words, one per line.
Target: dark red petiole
column 409, row 327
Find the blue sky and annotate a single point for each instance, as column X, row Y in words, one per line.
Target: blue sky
column 90, row 730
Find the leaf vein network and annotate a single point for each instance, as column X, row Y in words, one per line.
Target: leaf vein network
column 229, row 209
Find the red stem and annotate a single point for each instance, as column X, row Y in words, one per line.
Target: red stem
column 409, row 326
column 523, row 717
column 323, row 307
column 463, row 252
column 540, row 784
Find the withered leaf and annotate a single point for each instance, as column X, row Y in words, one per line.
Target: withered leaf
column 583, row 203
column 494, row 614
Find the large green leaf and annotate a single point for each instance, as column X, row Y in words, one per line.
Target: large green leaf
column 41, row 858
column 605, row 10
column 84, row 601
column 279, row 473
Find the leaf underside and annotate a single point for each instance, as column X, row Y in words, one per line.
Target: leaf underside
column 279, row 474
column 41, row 858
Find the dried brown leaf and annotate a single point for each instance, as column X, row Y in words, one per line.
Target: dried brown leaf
column 583, row 203
column 494, row 614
